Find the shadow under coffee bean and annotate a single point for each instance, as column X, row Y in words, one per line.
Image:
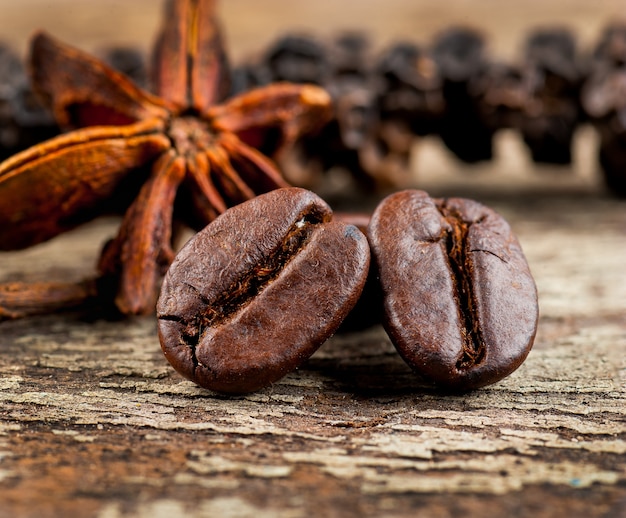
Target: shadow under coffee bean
column 460, row 304
column 253, row 295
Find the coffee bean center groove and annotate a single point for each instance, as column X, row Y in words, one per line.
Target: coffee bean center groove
column 243, row 290
column 461, row 268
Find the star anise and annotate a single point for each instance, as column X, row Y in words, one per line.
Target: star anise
column 197, row 146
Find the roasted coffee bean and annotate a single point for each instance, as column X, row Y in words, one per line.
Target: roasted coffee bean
column 460, row 303
column 254, row 294
column 552, row 75
column 461, row 56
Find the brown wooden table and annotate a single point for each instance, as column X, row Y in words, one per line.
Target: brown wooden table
column 94, row 422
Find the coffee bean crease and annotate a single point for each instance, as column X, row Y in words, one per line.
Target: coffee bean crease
column 460, row 262
column 252, row 282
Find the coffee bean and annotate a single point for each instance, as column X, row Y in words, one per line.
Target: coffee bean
column 460, row 303
column 254, row 294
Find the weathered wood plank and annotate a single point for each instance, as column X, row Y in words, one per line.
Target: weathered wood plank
column 93, row 416
column 93, row 422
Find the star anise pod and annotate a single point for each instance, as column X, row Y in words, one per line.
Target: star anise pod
column 194, row 143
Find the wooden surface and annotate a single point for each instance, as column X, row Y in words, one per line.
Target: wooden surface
column 94, row 422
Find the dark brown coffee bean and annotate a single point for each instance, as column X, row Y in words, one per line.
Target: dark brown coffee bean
column 254, row 294
column 459, row 300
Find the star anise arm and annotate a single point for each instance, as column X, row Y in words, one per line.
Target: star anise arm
column 206, row 201
column 142, row 248
column 19, row 300
column 189, row 63
column 55, row 186
column 292, row 109
column 226, row 174
column 83, row 91
column 233, row 188
column 256, row 170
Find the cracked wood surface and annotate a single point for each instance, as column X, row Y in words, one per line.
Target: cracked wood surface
column 94, row 422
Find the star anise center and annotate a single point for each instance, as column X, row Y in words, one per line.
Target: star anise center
column 190, row 135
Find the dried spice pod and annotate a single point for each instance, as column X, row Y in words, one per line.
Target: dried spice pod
column 501, row 95
column 24, row 120
column 409, row 102
column 352, row 132
column 552, row 77
column 340, row 66
column 411, row 88
column 351, row 89
column 604, row 101
column 296, row 58
column 453, row 89
column 461, row 58
column 19, row 299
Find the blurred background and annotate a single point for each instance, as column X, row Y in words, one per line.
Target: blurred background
column 251, row 26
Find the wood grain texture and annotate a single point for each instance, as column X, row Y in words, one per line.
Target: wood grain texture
column 95, row 423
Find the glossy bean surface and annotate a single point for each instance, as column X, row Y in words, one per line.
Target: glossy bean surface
column 253, row 295
column 460, row 303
